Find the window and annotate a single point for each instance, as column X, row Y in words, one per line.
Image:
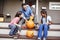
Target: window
column 54, row 5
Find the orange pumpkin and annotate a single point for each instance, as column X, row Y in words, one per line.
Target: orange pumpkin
column 30, row 33
column 30, row 23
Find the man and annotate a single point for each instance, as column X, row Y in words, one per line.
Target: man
column 26, row 12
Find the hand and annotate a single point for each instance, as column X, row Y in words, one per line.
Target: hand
column 23, row 27
column 26, row 21
column 19, row 25
column 47, row 23
column 31, row 17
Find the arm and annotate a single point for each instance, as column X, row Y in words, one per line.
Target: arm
column 31, row 13
column 49, row 21
column 24, row 17
column 23, row 14
column 30, row 10
column 16, row 20
column 17, row 25
column 40, row 20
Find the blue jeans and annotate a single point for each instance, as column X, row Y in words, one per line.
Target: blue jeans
column 14, row 29
column 44, row 28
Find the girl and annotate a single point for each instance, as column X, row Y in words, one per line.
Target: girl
column 14, row 24
column 45, row 22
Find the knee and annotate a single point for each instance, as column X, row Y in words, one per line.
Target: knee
column 9, row 26
column 14, row 26
column 45, row 24
column 40, row 25
column 46, row 27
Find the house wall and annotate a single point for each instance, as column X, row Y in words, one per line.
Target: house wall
column 53, row 13
column 1, row 7
column 11, row 7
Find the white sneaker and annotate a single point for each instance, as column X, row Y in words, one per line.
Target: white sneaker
column 10, row 36
column 44, row 38
column 15, row 37
column 39, row 38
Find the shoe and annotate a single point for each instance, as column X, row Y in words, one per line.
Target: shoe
column 15, row 37
column 10, row 36
column 39, row 38
column 44, row 38
column 18, row 34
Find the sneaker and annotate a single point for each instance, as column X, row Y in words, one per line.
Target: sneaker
column 44, row 38
column 15, row 37
column 39, row 38
column 18, row 35
column 10, row 36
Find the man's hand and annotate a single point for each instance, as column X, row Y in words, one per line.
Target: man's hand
column 23, row 16
column 31, row 17
column 26, row 21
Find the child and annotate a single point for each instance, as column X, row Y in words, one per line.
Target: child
column 14, row 24
column 45, row 22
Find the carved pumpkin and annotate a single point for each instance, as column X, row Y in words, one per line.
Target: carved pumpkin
column 30, row 23
column 30, row 33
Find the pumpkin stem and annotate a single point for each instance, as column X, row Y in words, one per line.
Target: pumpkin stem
column 31, row 17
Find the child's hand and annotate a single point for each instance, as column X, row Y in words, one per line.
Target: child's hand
column 47, row 23
column 23, row 27
column 19, row 25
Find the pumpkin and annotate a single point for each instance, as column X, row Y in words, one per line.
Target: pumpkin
column 30, row 23
column 30, row 33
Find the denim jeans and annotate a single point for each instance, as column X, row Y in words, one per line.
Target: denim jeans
column 44, row 28
column 14, row 29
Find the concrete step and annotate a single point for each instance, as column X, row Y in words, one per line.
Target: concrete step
column 23, row 32
column 5, row 36
column 52, row 27
column 32, row 29
column 5, row 26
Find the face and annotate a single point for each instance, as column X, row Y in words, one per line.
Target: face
column 20, row 16
column 42, row 14
column 24, row 7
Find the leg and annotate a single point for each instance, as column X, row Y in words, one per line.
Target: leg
column 12, row 29
column 48, row 27
column 19, row 28
column 15, row 30
column 40, row 31
column 45, row 30
column 10, row 26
